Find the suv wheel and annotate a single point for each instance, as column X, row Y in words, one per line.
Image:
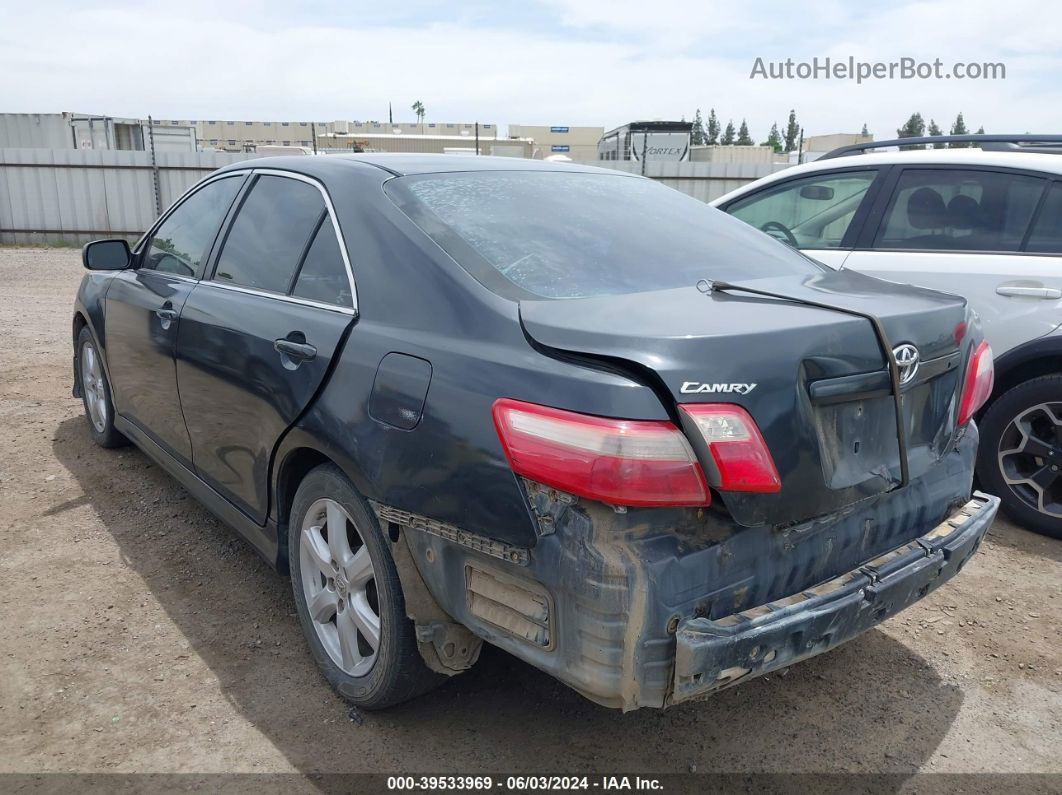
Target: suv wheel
column 1020, row 457
column 96, row 393
column 348, row 596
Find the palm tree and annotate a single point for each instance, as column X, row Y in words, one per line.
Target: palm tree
column 418, row 109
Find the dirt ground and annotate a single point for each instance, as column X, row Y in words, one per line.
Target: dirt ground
column 140, row 635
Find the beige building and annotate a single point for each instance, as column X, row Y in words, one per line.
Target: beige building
column 578, row 143
column 732, row 154
column 242, row 136
column 815, row 146
column 425, row 144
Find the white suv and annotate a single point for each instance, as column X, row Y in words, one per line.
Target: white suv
column 984, row 222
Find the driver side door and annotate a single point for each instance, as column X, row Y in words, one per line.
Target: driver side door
column 143, row 309
column 820, row 214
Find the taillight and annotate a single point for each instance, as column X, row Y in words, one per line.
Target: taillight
column 977, row 386
column 737, row 447
column 623, row 462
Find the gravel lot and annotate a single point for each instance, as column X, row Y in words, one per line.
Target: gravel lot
column 139, row 635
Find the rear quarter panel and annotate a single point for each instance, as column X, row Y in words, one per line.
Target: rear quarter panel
column 414, row 300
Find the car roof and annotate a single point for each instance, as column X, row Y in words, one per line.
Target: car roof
column 1034, row 161
column 401, row 164
column 1048, row 164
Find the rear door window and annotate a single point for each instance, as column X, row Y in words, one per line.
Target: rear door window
column 813, row 212
column 959, row 210
column 1046, row 234
column 271, row 231
column 323, row 275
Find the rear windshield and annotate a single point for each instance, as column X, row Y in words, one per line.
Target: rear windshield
column 569, row 234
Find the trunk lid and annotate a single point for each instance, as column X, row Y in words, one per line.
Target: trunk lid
column 816, row 380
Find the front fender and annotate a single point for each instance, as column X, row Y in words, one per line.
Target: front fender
column 89, row 311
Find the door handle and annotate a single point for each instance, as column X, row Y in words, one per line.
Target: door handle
column 166, row 314
column 296, row 351
column 1030, row 292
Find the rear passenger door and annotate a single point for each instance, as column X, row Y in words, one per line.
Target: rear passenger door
column 986, row 234
column 258, row 335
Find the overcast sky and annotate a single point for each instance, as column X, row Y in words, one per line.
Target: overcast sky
column 599, row 62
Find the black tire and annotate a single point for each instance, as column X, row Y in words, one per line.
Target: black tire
column 398, row 672
column 1017, row 501
column 104, row 434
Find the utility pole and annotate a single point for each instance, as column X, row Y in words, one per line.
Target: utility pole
column 800, row 148
column 645, row 146
column 313, row 133
column 477, row 137
column 154, row 167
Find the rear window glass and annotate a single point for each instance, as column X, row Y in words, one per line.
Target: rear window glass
column 568, row 234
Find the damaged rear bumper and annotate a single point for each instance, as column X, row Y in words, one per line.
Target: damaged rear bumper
column 713, row 654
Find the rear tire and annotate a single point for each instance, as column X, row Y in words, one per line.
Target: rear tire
column 348, row 596
column 96, row 393
column 1021, row 440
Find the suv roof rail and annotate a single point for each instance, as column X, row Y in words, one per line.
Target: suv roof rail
column 1049, row 144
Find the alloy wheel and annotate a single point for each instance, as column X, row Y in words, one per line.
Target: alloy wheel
column 1030, row 457
column 339, row 586
column 93, row 387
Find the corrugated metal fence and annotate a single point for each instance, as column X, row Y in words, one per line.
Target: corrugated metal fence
column 70, row 196
column 704, row 181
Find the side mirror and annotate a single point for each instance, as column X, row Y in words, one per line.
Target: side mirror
column 816, row 192
column 105, row 255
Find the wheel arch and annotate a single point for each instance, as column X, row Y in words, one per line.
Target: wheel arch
column 298, row 454
column 1039, row 357
column 80, row 321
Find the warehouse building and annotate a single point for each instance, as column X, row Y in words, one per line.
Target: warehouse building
column 421, row 144
column 244, row 136
column 578, row 143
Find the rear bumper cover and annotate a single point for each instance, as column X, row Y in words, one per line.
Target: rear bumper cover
column 713, row 654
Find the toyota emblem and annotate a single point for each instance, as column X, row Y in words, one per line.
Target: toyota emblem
column 906, row 356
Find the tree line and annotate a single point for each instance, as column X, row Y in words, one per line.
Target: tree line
column 712, row 133
column 916, row 128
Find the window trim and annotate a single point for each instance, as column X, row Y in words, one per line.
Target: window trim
column 329, row 210
column 859, row 220
column 1052, row 184
column 868, row 239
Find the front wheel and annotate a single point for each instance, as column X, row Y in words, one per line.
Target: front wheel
column 1020, row 456
column 348, row 596
column 96, row 393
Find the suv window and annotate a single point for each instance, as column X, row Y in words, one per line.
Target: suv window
column 959, row 210
column 816, row 211
column 323, row 275
column 1046, row 235
column 270, row 233
column 184, row 238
